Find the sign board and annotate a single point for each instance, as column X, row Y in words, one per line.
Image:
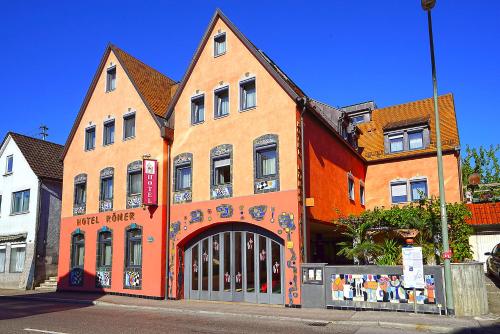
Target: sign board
column 149, row 182
column 413, row 267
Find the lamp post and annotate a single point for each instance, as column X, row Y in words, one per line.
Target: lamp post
column 427, row 5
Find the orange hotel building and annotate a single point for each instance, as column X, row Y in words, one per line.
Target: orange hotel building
column 245, row 157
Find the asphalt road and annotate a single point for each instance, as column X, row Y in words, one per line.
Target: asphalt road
column 19, row 316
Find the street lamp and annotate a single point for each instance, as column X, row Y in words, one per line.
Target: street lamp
column 427, row 5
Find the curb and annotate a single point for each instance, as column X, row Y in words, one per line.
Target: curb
column 323, row 322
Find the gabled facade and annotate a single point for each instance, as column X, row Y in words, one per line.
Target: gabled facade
column 30, row 207
column 237, row 199
column 109, row 242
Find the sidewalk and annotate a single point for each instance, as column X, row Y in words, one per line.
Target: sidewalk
column 404, row 321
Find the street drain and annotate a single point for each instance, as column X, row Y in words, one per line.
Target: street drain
column 318, row 324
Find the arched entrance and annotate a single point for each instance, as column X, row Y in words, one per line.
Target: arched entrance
column 235, row 262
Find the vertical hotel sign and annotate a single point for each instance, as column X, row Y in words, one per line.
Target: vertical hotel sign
column 149, row 182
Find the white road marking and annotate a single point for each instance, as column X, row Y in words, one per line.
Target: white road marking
column 42, row 331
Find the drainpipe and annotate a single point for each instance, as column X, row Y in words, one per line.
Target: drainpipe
column 167, row 262
column 302, row 150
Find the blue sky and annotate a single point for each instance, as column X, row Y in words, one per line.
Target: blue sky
column 340, row 52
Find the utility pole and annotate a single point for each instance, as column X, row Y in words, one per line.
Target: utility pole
column 427, row 5
column 43, row 131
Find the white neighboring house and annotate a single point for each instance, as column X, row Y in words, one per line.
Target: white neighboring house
column 30, row 210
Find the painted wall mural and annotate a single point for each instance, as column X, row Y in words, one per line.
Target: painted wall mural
column 258, row 212
column 380, row 288
column 196, row 216
column 286, row 222
column 225, row 210
column 76, row 277
column 103, row 279
column 133, row 279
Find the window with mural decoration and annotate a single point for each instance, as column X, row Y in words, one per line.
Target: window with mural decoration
column 133, row 257
column 183, row 178
column 134, row 184
column 266, row 164
column 221, row 160
column 77, row 258
column 104, row 257
column 221, row 102
column 17, row 256
column 247, row 94
column 106, row 189
column 80, row 194
column 20, row 202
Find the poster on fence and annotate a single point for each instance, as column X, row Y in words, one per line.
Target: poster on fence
column 413, row 267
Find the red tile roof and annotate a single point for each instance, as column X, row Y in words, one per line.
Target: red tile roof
column 371, row 139
column 484, row 213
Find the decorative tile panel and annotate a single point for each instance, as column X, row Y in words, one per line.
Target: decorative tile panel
column 105, row 205
column 196, row 216
column 79, row 209
column 258, row 212
column 132, row 278
column 76, row 277
column 225, row 210
column 103, row 278
column 134, row 201
column 222, row 191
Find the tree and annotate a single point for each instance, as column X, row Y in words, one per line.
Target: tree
column 484, row 162
column 360, row 247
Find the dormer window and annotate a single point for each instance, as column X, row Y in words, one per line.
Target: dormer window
column 396, row 143
column 111, row 79
column 9, row 164
column 414, row 138
column 219, row 44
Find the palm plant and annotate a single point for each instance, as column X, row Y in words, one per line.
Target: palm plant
column 360, row 248
column 391, row 253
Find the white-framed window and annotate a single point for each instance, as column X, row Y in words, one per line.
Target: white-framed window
column 108, row 136
column 90, row 138
column 220, row 44
column 0, row 205
column 248, row 97
column 418, row 189
column 104, row 248
column 266, row 161
column 399, row 192
column 3, row 255
column 197, row 109
column 357, row 119
column 20, row 201
column 106, row 188
column 134, row 182
column 9, row 164
column 416, row 140
column 396, row 143
column 222, row 171
column 221, row 102
column 362, row 193
column 80, row 193
column 111, row 79
column 350, row 187
column 17, row 255
column 183, row 177
column 129, row 126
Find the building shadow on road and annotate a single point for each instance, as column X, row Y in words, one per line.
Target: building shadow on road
column 491, row 329
column 25, row 304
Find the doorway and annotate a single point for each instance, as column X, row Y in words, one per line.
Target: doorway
column 235, row 262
